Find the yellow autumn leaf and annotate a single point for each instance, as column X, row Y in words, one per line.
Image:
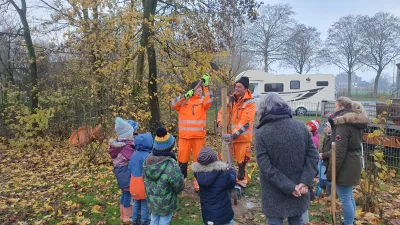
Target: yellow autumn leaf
column 48, row 208
column 359, row 213
column 96, row 209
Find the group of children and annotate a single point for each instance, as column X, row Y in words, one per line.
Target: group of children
column 149, row 176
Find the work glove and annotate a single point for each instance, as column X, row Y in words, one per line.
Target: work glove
column 205, row 78
column 189, row 94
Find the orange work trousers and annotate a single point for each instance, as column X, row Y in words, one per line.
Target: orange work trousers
column 188, row 146
column 241, row 150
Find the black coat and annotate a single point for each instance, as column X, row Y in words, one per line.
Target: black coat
column 215, row 181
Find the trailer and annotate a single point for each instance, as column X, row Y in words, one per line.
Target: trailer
column 303, row 92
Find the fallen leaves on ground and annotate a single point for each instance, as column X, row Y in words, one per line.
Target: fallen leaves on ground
column 47, row 186
column 52, row 186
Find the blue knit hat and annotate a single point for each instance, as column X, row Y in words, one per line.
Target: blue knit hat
column 123, row 128
column 134, row 124
column 163, row 140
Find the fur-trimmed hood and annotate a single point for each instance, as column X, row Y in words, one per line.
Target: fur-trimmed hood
column 125, row 147
column 215, row 166
column 207, row 175
column 355, row 118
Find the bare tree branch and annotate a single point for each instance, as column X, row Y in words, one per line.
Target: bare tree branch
column 381, row 39
column 270, row 32
column 302, row 51
column 343, row 45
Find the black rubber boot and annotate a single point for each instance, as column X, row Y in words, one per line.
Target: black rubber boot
column 183, row 167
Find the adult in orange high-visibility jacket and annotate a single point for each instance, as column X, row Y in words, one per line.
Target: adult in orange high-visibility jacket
column 192, row 123
column 241, row 110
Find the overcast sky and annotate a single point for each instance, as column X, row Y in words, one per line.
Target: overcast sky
column 323, row 13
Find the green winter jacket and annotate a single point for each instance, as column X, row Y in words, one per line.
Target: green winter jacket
column 163, row 182
column 347, row 133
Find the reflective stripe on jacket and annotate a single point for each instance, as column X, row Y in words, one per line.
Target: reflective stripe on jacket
column 192, row 116
column 240, row 117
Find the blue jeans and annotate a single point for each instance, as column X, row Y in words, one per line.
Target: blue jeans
column 160, row 220
column 345, row 194
column 140, row 211
column 294, row 220
column 125, row 199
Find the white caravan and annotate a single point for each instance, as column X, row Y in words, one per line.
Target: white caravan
column 303, row 92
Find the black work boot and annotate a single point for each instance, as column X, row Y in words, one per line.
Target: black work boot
column 183, row 167
column 241, row 176
column 241, row 173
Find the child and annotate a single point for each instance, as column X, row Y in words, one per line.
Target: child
column 313, row 126
column 143, row 147
column 121, row 150
column 325, row 154
column 162, row 178
column 215, row 179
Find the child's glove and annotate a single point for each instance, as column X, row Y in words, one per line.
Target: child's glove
column 189, row 93
column 205, row 78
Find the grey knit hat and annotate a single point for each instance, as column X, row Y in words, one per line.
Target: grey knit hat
column 206, row 156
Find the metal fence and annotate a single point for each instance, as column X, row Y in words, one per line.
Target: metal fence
column 389, row 143
column 367, row 92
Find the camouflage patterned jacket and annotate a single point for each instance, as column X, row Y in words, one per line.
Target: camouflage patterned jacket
column 163, row 182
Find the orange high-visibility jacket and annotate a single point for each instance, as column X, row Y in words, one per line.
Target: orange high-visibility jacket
column 192, row 116
column 240, row 117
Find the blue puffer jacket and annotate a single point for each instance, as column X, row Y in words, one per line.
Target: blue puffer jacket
column 215, row 181
column 144, row 146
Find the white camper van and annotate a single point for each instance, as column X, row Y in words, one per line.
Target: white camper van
column 303, row 92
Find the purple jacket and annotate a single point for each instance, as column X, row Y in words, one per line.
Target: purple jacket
column 121, row 152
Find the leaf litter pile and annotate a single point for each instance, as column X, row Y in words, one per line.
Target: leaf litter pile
column 53, row 186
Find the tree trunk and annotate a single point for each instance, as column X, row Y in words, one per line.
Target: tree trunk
column 149, row 11
column 349, row 83
column 139, row 67
column 31, row 53
column 266, row 63
column 155, row 120
column 149, row 7
column 378, row 74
